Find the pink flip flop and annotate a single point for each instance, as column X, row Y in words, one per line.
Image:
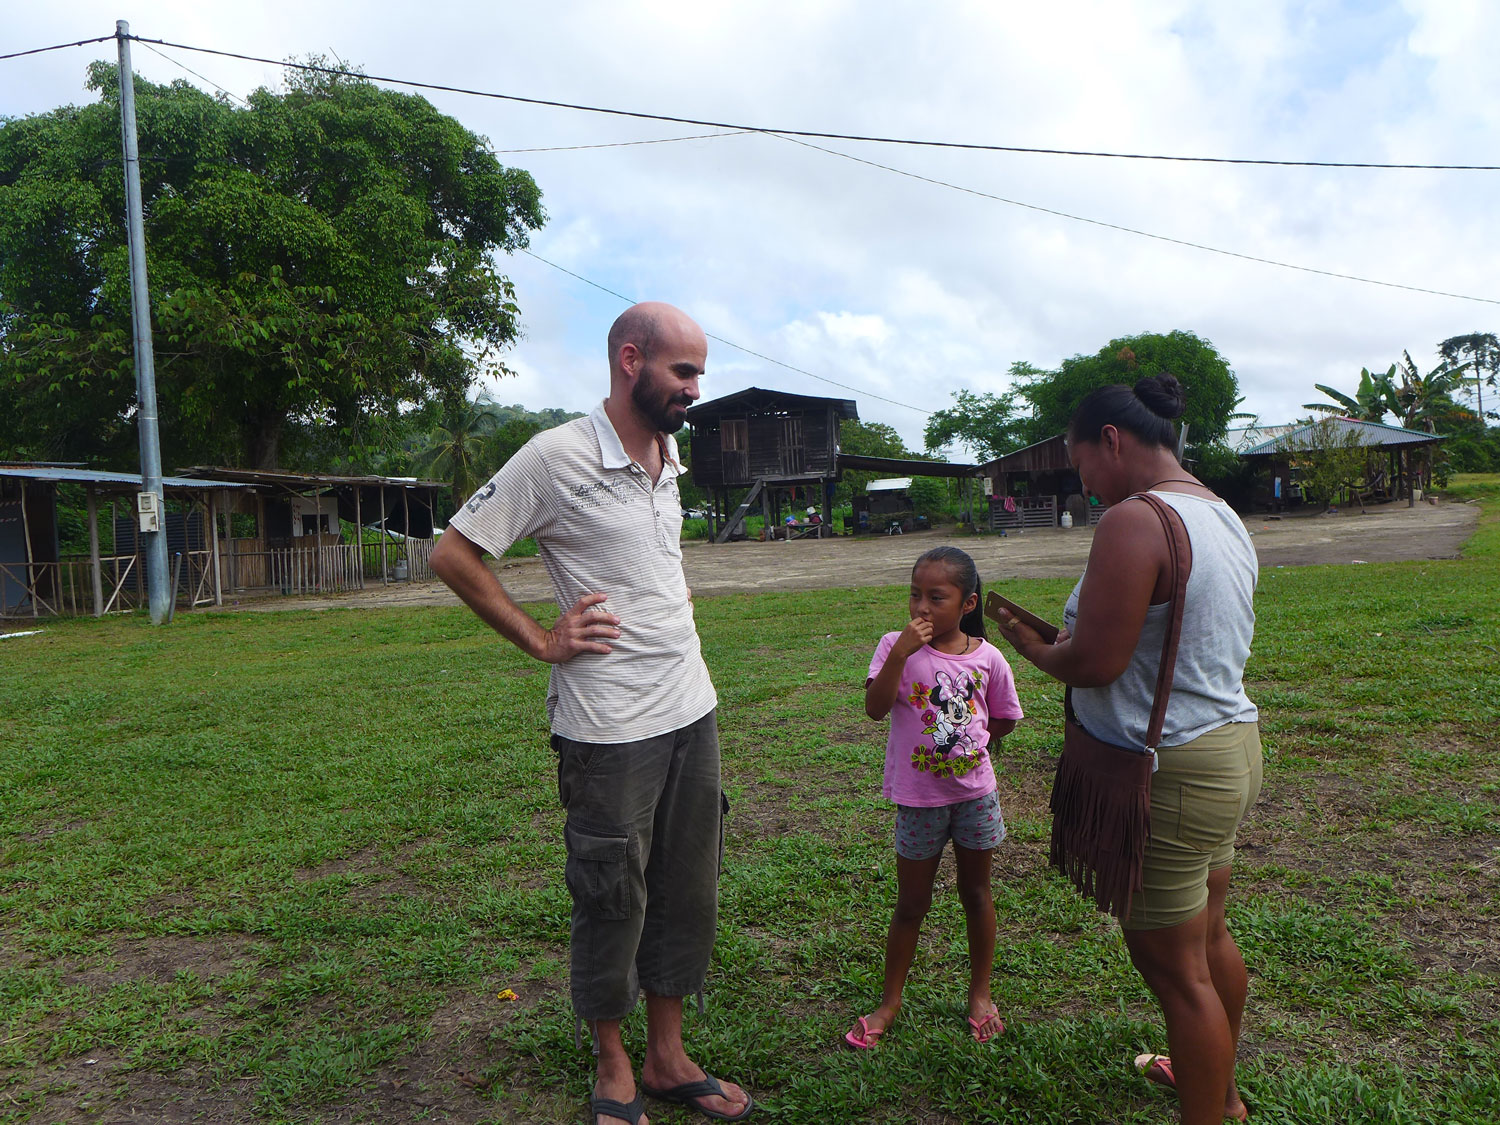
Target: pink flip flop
column 862, row 1037
column 994, row 1022
column 1158, row 1069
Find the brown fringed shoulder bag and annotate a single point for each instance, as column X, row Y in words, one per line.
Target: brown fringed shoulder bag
column 1101, row 797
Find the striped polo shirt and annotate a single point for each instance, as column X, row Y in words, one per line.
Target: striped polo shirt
column 602, row 526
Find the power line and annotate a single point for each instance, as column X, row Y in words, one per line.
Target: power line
column 1141, row 233
column 492, row 151
column 731, row 343
column 795, row 139
column 194, row 73
column 621, row 144
column 57, row 47
column 816, row 134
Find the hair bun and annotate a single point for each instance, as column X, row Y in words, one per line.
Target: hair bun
column 1162, row 395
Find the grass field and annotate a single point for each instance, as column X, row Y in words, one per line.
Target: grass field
column 277, row 867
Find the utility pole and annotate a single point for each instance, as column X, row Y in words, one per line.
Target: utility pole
column 152, row 534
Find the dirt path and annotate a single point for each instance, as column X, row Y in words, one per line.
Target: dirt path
column 1391, row 533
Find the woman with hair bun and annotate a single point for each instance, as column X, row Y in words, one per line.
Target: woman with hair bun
column 1207, row 773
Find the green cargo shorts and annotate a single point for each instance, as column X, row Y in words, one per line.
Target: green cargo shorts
column 1199, row 794
column 645, row 837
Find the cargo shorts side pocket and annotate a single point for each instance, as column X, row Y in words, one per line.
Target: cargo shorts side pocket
column 598, row 873
column 1209, row 816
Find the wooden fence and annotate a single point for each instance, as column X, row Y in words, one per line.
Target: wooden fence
column 66, row 588
column 1030, row 511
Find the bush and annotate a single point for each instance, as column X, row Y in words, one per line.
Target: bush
column 929, row 496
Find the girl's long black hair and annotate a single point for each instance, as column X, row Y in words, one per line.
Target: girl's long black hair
column 966, row 578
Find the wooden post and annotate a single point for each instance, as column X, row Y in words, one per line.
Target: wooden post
column 93, row 500
column 384, row 574
column 214, row 557
column 232, row 564
column 406, row 546
column 359, row 542
column 31, row 582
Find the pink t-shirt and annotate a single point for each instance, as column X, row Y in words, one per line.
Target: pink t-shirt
column 938, row 749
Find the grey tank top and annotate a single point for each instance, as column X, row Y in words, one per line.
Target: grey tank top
column 1218, row 623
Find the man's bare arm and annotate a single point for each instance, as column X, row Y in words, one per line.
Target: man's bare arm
column 459, row 562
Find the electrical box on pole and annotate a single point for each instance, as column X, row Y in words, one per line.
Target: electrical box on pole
column 148, row 508
column 153, row 539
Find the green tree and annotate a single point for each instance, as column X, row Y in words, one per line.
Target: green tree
column 322, row 258
column 987, row 424
column 1211, row 387
column 868, row 439
column 1328, row 460
column 929, row 496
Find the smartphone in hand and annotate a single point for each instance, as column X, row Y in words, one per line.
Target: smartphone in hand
column 994, row 605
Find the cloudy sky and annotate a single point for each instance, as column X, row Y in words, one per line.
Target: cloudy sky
column 898, row 288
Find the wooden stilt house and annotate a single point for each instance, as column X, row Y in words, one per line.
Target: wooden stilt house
column 781, row 447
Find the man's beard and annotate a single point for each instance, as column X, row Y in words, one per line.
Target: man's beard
column 664, row 411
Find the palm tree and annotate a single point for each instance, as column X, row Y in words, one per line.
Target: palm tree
column 455, row 449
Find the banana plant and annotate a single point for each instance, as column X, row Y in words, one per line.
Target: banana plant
column 1376, row 395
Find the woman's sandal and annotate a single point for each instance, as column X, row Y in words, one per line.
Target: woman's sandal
column 993, row 1022
column 862, row 1037
column 1158, row 1069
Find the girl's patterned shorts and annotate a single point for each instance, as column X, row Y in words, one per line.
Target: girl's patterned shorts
column 921, row 833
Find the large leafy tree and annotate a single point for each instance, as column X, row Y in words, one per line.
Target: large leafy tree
column 1211, row 387
column 321, row 259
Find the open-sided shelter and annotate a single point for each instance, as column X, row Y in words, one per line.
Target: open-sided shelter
column 296, row 543
column 37, row 579
column 228, row 531
column 1399, row 464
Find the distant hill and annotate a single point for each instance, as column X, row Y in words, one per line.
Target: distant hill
column 543, row 419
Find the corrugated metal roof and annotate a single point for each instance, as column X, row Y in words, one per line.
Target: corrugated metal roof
column 61, row 475
column 758, row 400
column 1047, row 455
column 1369, row 434
column 306, row 480
column 1242, row 438
column 909, row 465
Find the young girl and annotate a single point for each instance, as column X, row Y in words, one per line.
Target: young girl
column 950, row 694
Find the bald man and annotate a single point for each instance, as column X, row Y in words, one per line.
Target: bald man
column 630, row 702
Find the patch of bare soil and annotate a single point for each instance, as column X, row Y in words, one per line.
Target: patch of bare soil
column 1387, row 533
column 160, row 958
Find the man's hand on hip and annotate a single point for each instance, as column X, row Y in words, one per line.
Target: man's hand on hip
column 582, row 629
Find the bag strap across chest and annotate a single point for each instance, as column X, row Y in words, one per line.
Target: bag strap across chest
column 1180, row 566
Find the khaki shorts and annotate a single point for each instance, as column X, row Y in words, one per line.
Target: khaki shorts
column 1199, row 794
